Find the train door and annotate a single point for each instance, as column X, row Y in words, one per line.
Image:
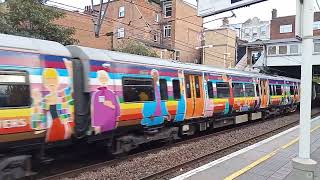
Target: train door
column 194, row 95
column 264, row 85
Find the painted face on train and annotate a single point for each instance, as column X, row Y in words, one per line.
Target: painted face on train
column 51, row 79
column 155, row 75
column 103, row 77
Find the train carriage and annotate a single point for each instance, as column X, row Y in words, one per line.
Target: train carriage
column 52, row 94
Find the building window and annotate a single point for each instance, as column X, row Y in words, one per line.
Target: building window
column 155, row 37
column 254, row 32
column 157, row 18
column 167, row 9
column 316, row 25
column 294, row 49
column 272, row 50
column 210, row 89
column 177, row 55
column 176, row 89
column 14, row 90
column 316, row 47
column 163, row 89
column 223, row 90
column 283, row 49
column 286, row 28
column 238, row 90
column 120, row 33
column 247, row 32
column 263, row 30
column 138, row 89
column 167, row 31
column 121, row 11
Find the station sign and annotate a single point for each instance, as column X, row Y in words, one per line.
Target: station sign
column 212, row 7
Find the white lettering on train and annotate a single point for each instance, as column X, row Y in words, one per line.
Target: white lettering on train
column 12, row 123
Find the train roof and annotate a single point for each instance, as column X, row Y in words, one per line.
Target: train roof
column 33, row 45
column 86, row 53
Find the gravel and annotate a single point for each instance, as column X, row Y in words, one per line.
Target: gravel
column 138, row 167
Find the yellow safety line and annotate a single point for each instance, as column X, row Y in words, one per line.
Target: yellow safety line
column 264, row 158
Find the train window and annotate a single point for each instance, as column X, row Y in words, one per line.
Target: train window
column 292, row 90
column 257, row 90
column 176, row 89
column 196, row 81
column 163, row 89
column 270, row 90
column 210, row 89
column 223, row 90
column 138, row 89
column 188, row 86
column 278, row 90
column 249, row 90
column 14, row 90
column 238, row 90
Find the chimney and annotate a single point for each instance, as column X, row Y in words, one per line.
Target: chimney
column 225, row 21
column 88, row 10
column 274, row 13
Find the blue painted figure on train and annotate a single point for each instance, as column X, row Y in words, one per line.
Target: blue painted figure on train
column 152, row 111
column 181, row 109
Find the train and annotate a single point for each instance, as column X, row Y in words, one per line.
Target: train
column 54, row 95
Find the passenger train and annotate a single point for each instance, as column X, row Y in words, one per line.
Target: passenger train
column 50, row 93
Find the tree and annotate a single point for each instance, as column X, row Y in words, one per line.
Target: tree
column 31, row 18
column 135, row 47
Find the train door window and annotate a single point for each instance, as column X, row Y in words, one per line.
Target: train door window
column 196, row 81
column 210, row 89
column 223, row 90
column 14, row 90
column 138, row 89
column 238, row 90
column 249, row 90
column 188, row 86
column 278, row 90
column 257, row 90
column 163, row 89
column 292, row 90
column 270, row 90
column 176, row 89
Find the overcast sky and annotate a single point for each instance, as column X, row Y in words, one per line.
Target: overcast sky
column 261, row 10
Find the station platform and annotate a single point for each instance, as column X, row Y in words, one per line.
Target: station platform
column 269, row 159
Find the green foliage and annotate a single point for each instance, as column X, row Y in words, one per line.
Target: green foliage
column 31, row 18
column 134, row 47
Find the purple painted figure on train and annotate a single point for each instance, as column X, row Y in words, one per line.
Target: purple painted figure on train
column 105, row 106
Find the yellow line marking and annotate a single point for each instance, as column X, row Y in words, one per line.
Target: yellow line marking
column 264, row 158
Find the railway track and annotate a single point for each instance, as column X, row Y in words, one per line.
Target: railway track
column 173, row 169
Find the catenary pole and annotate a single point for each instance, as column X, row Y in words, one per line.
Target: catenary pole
column 307, row 13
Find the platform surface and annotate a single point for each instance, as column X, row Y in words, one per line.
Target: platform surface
column 269, row 159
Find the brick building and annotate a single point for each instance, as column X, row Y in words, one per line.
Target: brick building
column 220, row 47
column 171, row 28
column 84, row 30
column 284, row 27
